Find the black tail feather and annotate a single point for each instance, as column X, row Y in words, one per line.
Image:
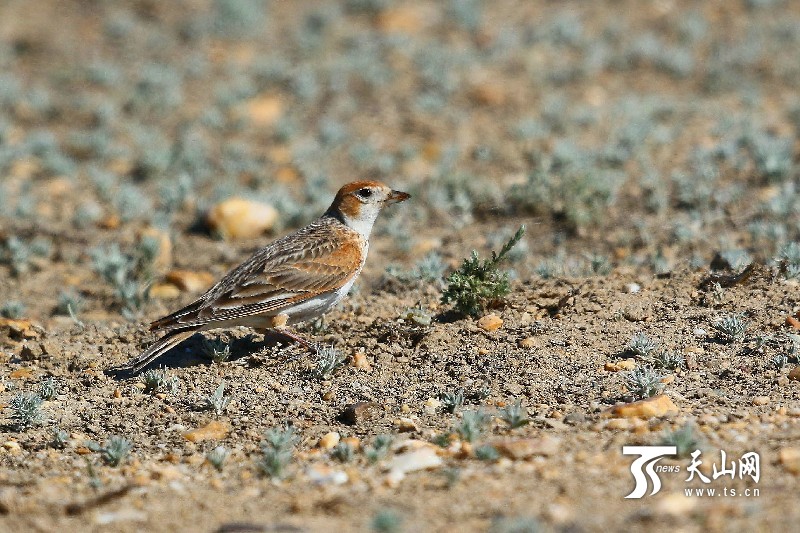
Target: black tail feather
column 156, row 350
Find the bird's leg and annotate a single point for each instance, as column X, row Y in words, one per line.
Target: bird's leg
column 279, row 326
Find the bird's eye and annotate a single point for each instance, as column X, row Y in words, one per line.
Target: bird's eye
column 365, row 193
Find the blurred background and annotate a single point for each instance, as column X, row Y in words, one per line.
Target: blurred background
column 648, row 135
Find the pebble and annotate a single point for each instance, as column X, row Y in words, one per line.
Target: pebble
column 329, row 440
column 214, row 430
column 361, row 362
column 633, row 288
column 527, row 342
column 677, row 505
column 405, row 425
column 238, row 218
column 760, row 400
column 490, row 322
column 357, row 412
column 321, row 474
column 190, row 281
column 524, row 448
column 164, row 291
column 12, row 447
column 655, row 406
column 699, row 332
column 264, row 110
column 432, row 405
column 793, row 322
column 794, row 374
column 423, row 458
column 625, row 364
column 790, row 459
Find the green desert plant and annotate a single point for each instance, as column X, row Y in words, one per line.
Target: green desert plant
column 115, row 450
column 643, row 382
column 329, row 359
column 26, row 411
column 514, row 415
column 276, row 451
column 217, row 457
column 478, row 283
column 731, row 328
column 217, row 401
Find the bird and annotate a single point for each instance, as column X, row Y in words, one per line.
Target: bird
column 291, row 280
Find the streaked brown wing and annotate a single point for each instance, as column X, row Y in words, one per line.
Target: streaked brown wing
column 284, row 274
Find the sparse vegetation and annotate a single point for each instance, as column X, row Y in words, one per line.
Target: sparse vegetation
column 685, row 439
column 452, row 400
column 277, row 451
column 379, row 449
column 217, row 350
column 160, row 380
column 642, row 345
column 473, row 425
column 48, row 389
column 217, row 401
column 114, row 452
column 217, row 457
column 514, row 415
column 329, row 359
column 644, row 382
column 730, row 328
column 478, row 283
column 343, row 452
column 26, row 411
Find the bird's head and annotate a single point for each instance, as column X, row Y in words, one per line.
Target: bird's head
column 357, row 204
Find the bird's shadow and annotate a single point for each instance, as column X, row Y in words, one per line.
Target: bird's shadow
column 192, row 352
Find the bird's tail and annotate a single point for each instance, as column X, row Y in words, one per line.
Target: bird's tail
column 157, row 349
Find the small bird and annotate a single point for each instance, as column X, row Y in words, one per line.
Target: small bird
column 291, row 280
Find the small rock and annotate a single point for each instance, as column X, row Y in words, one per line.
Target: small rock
column 402, row 19
column 357, row 413
column 31, row 351
column 190, row 281
column 625, row 364
column 214, row 430
column 794, row 374
column 793, row 322
column 790, row 459
column 404, row 425
column 633, row 288
column 329, row 440
column 524, row 448
column 760, row 400
column 264, row 110
column 238, row 218
column 655, row 406
column 353, row 442
column 527, row 342
column 419, row 459
column 12, row 447
column 165, row 472
column 325, row 475
column 677, row 505
column 361, row 362
column 21, row 373
column 490, row 322
column 700, row 332
column 17, row 329
column 164, row 291
column 432, row 405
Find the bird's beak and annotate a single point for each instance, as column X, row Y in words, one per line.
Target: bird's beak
column 397, row 196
